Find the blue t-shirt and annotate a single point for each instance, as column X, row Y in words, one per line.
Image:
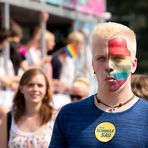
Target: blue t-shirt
column 76, row 123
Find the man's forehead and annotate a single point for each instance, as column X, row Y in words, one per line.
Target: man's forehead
column 118, row 47
column 112, row 42
column 117, row 42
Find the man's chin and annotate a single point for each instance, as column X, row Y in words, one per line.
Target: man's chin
column 116, row 85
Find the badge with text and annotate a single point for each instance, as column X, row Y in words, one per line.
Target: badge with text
column 105, row 131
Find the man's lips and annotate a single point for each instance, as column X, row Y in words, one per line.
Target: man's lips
column 110, row 79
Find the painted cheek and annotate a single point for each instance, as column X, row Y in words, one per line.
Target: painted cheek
column 117, row 85
column 118, row 48
column 122, row 69
column 120, row 75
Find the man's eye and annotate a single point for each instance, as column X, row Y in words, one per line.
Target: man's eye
column 118, row 59
column 101, row 59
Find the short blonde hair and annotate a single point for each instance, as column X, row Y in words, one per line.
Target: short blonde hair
column 109, row 30
column 82, row 83
column 48, row 35
column 76, row 37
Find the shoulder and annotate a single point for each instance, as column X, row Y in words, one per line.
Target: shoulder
column 143, row 103
column 77, row 107
column 142, row 107
column 73, row 112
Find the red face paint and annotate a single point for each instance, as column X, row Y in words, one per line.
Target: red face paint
column 118, row 47
column 119, row 55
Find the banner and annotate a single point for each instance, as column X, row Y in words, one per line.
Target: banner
column 92, row 7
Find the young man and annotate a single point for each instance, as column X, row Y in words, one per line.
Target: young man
column 114, row 117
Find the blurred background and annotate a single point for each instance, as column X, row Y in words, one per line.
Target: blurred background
column 72, row 15
column 134, row 14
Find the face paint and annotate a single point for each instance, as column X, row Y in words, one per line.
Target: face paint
column 119, row 56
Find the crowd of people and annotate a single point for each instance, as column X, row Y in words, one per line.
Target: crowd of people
column 35, row 87
column 24, row 57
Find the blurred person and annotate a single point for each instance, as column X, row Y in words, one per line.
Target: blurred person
column 79, row 89
column 4, row 35
column 82, row 66
column 50, row 41
column 8, row 80
column 7, row 76
column 71, row 67
column 77, row 38
column 31, row 114
column 48, row 66
column 68, row 69
column 63, row 72
column 34, row 56
column 139, row 83
column 16, row 34
column 75, row 92
column 109, row 117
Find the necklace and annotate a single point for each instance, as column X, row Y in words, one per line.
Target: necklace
column 112, row 108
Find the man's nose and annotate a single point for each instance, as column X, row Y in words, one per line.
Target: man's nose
column 109, row 65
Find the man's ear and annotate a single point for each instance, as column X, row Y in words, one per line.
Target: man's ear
column 134, row 65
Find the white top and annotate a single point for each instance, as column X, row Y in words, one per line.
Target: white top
column 59, row 100
column 33, row 56
column 38, row 139
column 3, row 71
column 68, row 69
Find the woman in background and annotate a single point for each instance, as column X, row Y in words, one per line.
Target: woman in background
column 31, row 123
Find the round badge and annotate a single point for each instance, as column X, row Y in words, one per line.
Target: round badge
column 105, row 131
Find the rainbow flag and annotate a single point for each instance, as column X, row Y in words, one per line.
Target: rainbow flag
column 71, row 50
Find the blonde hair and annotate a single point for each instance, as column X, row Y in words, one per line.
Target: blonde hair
column 48, row 35
column 82, row 83
column 76, row 37
column 109, row 30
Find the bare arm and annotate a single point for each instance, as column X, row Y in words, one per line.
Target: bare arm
column 3, row 130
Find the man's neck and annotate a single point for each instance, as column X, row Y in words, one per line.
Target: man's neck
column 117, row 108
column 114, row 98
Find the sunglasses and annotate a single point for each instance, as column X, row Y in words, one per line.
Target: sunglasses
column 78, row 97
